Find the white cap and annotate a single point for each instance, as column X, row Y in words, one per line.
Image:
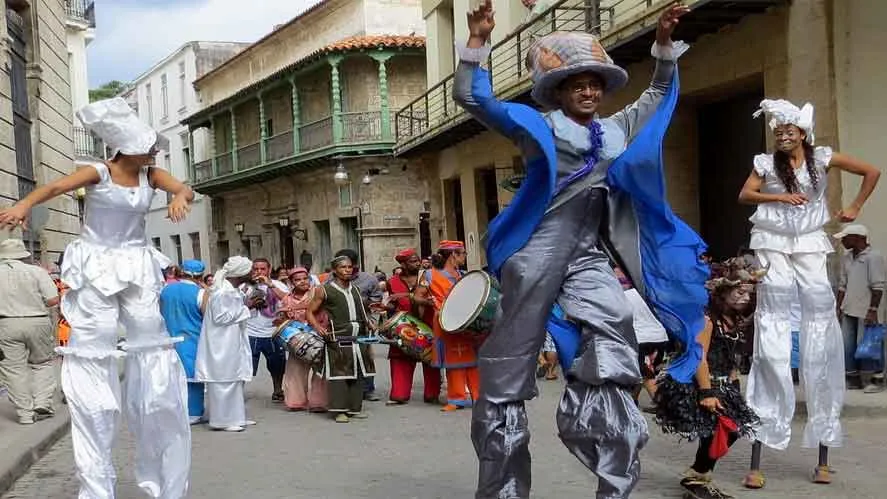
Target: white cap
column 852, row 230
column 783, row 112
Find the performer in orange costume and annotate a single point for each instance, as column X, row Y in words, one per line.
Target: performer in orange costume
column 454, row 352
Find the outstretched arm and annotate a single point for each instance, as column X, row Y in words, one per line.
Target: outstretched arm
column 870, row 176
column 17, row 214
column 633, row 117
column 182, row 194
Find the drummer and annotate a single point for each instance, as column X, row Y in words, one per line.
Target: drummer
column 454, row 352
column 345, row 371
column 407, row 295
column 303, row 388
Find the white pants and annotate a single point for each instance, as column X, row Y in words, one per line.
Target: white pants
column 154, row 393
column 770, row 391
column 226, row 404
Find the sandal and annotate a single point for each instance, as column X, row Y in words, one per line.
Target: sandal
column 822, row 474
column 754, row 480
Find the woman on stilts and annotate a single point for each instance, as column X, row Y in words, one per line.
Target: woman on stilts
column 789, row 187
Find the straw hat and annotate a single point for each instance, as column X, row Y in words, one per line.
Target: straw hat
column 13, row 249
column 561, row 54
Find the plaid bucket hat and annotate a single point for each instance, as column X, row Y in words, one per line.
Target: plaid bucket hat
column 561, row 54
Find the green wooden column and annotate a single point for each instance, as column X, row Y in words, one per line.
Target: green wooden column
column 384, row 107
column 233, row 140
column 297, row 117
column 192, row 170
column 336, row 97
column 215, row 148
column 263, row 131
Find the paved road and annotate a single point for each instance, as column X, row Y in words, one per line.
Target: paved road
column 415, row 452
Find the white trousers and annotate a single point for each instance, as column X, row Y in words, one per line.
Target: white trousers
column 154, row 394
column 770, row 390
column 226, row 404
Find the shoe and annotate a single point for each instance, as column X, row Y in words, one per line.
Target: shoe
column 358, row 415
column 701, row 487
column 450, row 408
column 822, row 474
column 317, row 410
column 234, row 429
column 754, row 480
column 371, row 397
column 873, row 388
column 343, row 418
column 26, row 420
column 41, row 413
column 395, row 402
column 249, row 422
column 277, row 397
column 540, row 372
column 193, row 420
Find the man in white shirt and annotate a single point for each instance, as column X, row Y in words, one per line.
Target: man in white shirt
column 223, row 351
column 260, row 326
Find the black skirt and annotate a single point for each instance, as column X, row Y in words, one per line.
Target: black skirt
column 678, row 410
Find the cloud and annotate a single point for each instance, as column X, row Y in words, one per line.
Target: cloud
column 133, row 35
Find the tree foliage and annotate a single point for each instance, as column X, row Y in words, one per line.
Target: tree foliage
column 106, row 91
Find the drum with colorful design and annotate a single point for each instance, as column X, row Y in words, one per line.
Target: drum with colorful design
column 300, row 340
column 411, row 335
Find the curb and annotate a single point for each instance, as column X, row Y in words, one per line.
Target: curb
column 13, row 467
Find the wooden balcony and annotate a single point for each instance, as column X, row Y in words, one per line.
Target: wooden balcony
column 318, row 142
column 626, row 28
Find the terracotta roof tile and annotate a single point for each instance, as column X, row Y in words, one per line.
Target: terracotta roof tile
column 375, row 41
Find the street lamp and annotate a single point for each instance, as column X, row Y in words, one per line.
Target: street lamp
column 341, row 176
column 283, row 222
column 238, row 228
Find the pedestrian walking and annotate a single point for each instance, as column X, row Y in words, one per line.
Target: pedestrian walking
column 27, row 335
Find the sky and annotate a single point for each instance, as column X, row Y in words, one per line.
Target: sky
column 133, row 35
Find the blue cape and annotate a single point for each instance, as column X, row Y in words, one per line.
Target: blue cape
column 672, row 271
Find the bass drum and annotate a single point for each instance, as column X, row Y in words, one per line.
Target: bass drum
column 470, row 308
column 300, row 340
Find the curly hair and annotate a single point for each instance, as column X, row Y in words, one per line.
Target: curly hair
column 786, row 174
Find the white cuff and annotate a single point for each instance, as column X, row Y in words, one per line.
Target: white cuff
column 669, row 52
column 469, row 54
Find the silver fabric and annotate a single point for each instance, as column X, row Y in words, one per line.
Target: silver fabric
column 226, row 404
column 155, row 392
column 560, row 262
column 602, row 427
column 115, row 215
column 770, row 391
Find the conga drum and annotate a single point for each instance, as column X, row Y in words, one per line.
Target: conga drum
column 300, row 340
column 412, row 336
column 470, row 308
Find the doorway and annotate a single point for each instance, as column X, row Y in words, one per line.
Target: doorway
column 728, row 140
column 455, row 214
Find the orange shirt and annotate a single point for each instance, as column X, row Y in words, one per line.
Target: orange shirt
column 452, row 350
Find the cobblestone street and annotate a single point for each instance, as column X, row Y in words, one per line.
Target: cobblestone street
column 417, row 452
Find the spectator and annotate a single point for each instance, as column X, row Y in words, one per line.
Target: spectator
column 27, row 336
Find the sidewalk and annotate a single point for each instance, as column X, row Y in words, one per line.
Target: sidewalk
column 23, row 445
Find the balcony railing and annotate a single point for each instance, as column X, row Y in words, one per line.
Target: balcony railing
column 436, row 110
column 357, row 128
column 81, row 11
column 86, row 144
column 316, row 134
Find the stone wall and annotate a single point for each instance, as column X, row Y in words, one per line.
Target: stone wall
column 50, row 112
column 391, row 204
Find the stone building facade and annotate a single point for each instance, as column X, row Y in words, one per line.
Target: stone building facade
column 36, row 115
column 312, row 99
column 805, row 50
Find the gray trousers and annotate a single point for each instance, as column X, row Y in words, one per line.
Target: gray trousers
column 29, row 369
column 597, row 419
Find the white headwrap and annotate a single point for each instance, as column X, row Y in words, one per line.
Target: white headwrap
column 236, row 266
column 118, row 126
column 783, row 112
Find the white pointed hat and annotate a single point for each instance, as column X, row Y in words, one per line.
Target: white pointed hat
column 113, row 121
column 783, row 112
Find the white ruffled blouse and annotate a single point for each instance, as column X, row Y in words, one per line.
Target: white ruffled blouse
column 792, row 229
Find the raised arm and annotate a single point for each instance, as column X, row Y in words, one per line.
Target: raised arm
column 870, row 176
column 16, row 215
column 633, row 117
column 472, row 89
